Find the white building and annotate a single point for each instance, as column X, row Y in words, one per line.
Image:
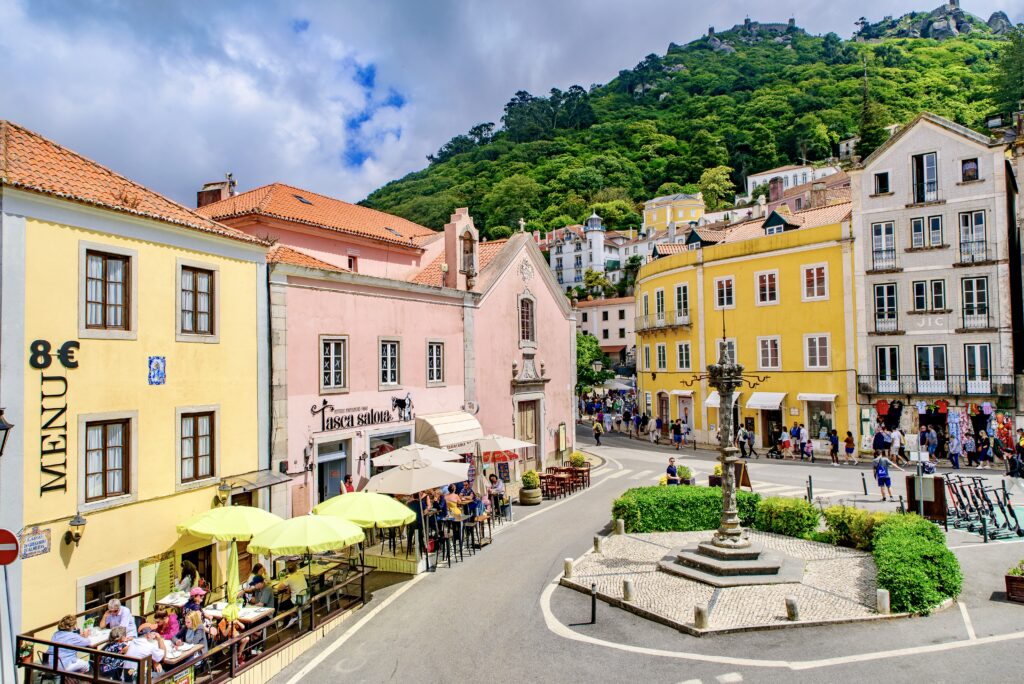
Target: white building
column 791, row 175
column 576, row 249
column 611, row 321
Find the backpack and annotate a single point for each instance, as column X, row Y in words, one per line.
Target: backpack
column 881, row 470
column 598, row 428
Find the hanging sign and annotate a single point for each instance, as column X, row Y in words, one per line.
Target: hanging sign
column 340, row 419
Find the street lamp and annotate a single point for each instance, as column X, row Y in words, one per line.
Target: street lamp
column 77, row 527
column 5, row 430
column 223, row 492
column 597, row 366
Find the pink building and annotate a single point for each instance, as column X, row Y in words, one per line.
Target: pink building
column 385, row 332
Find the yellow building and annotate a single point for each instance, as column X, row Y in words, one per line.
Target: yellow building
column 134, row 352
column 782, row 289
column 680, row 209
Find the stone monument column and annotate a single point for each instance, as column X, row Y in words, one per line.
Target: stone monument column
column 725, row 376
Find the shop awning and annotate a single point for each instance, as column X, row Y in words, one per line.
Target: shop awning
column 447, row 430
column 257, row 479
column 769, row 401
column 681, row 393
column 810, row 396
column 612, row 348
column 714, row 399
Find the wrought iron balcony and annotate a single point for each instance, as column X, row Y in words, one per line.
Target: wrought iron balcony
column 666, row 319
column 976, row 318
column 974, row 251
column 939, row 385
column 884, row 260
column 926, row 192
column 886, row 322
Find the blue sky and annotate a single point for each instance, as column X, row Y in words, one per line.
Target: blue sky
column 338, row 97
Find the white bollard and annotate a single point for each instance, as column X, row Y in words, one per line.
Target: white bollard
column 883, row 601
column 620, row 526
column 700, row 617
column 597, row 544
column 627, row 590
column 567, row 571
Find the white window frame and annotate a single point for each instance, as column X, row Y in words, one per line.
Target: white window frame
column 333, row 389
column 803, row 282
column 731, row 280
column 683, row 353
column 647, row 357
column 439, row 379
column 659, row 304
column 381, row 341
column 682, row 293
column 828, row 351
column 661, row 356
column 775, row 289
column 761, row 341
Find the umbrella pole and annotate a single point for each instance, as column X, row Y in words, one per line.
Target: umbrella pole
column 423, row 530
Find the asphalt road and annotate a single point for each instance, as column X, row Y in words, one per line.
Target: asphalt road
column 498, row 617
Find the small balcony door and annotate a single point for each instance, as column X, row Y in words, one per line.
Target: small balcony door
column 926, row 178
column 885, row 307
column 883, row 245
column 887, row 368
column 931, row 370
column 977, row 361
column 975, row 301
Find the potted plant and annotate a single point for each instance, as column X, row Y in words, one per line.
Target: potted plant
column 715, row 479
column 530, row 494
column 1015, row 583
column 578, row 459
column 25, row 652
column 685, row 475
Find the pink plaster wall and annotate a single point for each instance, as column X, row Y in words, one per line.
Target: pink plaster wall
column 497, row 346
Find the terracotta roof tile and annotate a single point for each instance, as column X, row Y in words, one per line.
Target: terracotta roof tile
column 604, row 302
column 28, row 161
column 283, row 254
column 289, row 203
column 808, row 218
column 431, row 275
column 671, row 248
column 834, row 180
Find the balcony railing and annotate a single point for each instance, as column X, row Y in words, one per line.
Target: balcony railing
column 666, row 319
column 976, row 318
column 974, row 251
column 886, row 322
column 883, row 260
column 926, row 192
column 948, row 385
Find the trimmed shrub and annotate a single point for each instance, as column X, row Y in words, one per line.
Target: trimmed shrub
column 578, row 459
column 678, row 509
column 791, row 517
column 530, row 480
column 914, row 564
column 852, row 527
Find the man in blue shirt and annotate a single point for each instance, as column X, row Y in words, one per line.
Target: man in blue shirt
column 672, row 472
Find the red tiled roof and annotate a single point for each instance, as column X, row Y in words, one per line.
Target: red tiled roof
column 283, row 254
column 808, row 218
column 834, row 180
column 28, row 161
column 671, row 248
column 605, row 302
column 431, row 275
column 289, row 203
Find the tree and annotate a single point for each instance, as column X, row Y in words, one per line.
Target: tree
column 587, row 352
column 872, row 132
column 669, row 189
column 707, row 150
column 813, row 139
column 596, row 282
column 716, row 186
column 1009, row 76
column 510, row 199
column 499, row 232
column 617, row 214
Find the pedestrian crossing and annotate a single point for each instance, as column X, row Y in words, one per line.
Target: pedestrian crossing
column 651, row 477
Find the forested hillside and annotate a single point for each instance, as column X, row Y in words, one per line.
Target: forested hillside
column 750, row 98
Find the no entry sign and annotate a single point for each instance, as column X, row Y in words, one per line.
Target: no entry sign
column 8, row 547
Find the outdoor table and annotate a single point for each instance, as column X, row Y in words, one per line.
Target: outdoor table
column 583, row 475
column 247, row 614
column 176, row 599
column 97, row 637
column 177, row 654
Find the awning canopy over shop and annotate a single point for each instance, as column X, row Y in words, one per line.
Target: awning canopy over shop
column 769, row 401
column 714, row 399
column 681, row 393
column 612, row 348
column 447, row 430
column 257, row 479
column 810, row 396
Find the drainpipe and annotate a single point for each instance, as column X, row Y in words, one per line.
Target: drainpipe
column 270, row 374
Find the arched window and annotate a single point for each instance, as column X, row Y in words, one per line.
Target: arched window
column 527, row 321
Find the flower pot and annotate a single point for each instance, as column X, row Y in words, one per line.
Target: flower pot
column 530, row 497
column 687, row 481
column 1015, row 588
column 714, row 480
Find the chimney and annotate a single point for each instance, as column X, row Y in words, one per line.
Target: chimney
column 775, row 189
column 216, row 191
column 819, row 195
column 671, row 231
column 761, row 204
column 461, row 241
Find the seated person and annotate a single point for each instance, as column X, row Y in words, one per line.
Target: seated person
column 497, row 486
column 165, row 623
column 451, row 497
column 67, row 633
column 110, row 667
column 231, row 629
column 293, row 584
column 148, row 644
column 118, row 616
column 258, row 593
column 195, row 631
column 257, row 569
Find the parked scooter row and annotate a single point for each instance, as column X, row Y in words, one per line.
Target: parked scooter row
column 975, row 505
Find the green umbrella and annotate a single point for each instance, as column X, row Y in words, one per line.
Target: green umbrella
column 230, row 612
column 305, row 535
column 228, row 523
column 367, row 509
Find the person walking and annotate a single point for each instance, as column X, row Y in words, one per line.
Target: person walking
column 804, row 439
column 636, row 425
column 970, row 450
column 984, row 449
column 878, row 443
column 672, row 473
column 932, row 442
column 833, row 447
column 750, row 444
column 653, row 431
column 953, row 447
column 896, row 446
column 741, row 441
column 794, row 436
column 644, row 422
column 598, row 430
column 677, row 433
column 849, row 446
column 881, row 466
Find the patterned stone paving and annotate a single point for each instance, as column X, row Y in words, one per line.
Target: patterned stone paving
column 838, row 583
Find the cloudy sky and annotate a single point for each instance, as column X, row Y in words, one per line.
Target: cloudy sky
column 338, row 97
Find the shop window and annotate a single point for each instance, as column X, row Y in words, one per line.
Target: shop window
column 99, row 593
column 820, row 418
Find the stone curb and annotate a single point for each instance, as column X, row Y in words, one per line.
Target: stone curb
column 595, row 460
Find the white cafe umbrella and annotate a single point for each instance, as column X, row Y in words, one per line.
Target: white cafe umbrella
column 415, row 452
column 500, row 443
column 615, row 385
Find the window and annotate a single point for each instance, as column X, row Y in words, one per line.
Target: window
column 926, row 180
column 767, row 287
column 622, row 314
column 333, row 363
column 106, row 459
column 972, row 237
column 772, row 230
column 799, row 206
column 815, row 282
column 97, row 594
column 816, row 352
column 727, row 348
column 196, row 301
column 659, row 304
column 604, row 315
column 929, row 296
column 435, row 362
column 768, row 357
column 584, row 316
column 975, row 300
column 197, row 453
column 604, row 334
column 935, row 231
column 683, row 355
column 883, row 245
column 978, row 363
column 882, row 183
column 887, row 368
column 389, row 351
column 724, row 298
column 938, row 295
column 646, row 305
column 917, row 233
column 931, row 368
column 622, row 333
column 527, row 324
column 682, row 300
column 353, row 264
column 661, row 356
column 106, row 291
column 647, row 357
column 920, row 289
column 969, row 170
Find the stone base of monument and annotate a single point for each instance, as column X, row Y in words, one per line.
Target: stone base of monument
column 729, row 567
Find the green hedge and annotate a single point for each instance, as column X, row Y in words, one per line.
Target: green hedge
column 853, row 527
column 678, row 508
column 914, row 564
column 791, row 517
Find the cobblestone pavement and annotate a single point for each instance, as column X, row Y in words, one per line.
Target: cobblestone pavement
column 838, row 583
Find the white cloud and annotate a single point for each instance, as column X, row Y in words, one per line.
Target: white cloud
column 175, row 94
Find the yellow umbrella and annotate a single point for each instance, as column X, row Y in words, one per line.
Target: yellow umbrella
column 230, row 612
column 306, row 534
column 229, row 523
column 367, row 509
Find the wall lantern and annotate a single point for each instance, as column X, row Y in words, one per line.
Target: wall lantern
column 223, row 492
column 77, row 527
column 597, row 366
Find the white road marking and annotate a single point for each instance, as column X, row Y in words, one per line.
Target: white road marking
column 617, row 473
column 641, row 475
column 692, row 681
column 967, row 622
column 730, row 678
column 994, row 543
